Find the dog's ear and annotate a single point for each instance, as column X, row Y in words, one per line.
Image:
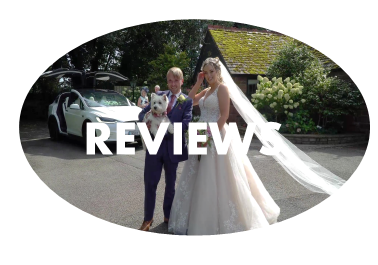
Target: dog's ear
column 153, row 95
column 165, row 97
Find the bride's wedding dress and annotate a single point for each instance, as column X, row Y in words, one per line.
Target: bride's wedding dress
column 220, row 193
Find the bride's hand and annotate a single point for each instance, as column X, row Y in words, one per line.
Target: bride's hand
column 200, row 77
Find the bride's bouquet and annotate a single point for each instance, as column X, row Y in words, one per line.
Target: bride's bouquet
column 209, row 139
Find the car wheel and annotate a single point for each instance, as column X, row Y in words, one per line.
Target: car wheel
column 54, row 130
column 84, row 131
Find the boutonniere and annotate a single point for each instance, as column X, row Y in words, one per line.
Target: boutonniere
column 181, row 99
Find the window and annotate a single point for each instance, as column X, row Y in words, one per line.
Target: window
column 251, row 87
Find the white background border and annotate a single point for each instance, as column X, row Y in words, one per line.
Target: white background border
column 37, row 226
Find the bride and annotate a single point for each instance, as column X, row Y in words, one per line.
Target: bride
column 221, row 194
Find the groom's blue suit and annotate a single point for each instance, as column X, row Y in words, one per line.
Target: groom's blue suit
column 181, row 112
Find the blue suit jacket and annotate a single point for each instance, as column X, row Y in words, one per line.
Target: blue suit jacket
column 182, row 112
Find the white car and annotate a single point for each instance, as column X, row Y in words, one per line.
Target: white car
column 71, row 111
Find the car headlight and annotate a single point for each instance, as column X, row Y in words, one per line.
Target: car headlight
column 104, row 119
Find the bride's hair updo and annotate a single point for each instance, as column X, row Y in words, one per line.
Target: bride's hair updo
column 215, row 63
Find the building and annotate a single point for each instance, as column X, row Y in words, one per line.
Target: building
column 247, row 53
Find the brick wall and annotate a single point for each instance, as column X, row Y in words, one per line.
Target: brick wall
column 326, row 139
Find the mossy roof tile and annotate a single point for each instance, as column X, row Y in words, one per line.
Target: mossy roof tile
column 252, row 51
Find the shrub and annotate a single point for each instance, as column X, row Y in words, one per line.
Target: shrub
column 299, row 123
column 326, row 98
column 277, row 99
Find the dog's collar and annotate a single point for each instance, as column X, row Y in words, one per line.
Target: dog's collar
column 159, row 115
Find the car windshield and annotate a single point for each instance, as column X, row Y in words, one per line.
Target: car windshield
column 101, row 99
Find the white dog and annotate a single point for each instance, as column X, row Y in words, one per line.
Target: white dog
column 157, row 114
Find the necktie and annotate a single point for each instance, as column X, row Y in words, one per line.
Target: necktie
column 170, row 105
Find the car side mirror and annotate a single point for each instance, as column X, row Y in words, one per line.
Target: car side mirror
column 75, row 106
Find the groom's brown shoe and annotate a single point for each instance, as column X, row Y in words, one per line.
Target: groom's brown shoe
column 146, row 225
column 166, row 220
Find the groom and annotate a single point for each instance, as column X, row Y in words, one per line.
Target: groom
column 179, row 110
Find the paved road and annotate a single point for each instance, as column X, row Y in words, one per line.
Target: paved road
column 111, row 187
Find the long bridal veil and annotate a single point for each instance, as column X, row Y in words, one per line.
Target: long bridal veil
column 296, row 163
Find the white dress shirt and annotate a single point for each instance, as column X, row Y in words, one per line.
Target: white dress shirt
column 169, row 97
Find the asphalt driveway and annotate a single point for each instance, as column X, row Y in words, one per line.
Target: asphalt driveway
column 111, row 187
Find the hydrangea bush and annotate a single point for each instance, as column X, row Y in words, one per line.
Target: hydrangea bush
column 277, row 98
column 299, row 123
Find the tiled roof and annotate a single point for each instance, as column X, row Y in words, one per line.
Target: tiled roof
column 252, row 51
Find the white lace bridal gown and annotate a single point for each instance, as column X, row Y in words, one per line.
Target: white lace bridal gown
column 221, row 193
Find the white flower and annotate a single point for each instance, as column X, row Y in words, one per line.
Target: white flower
column 289, row 85
column 285, row 111
column 280, row 93
column 275, row 111
column 256, row 101
column 303, row 100
column 274, row 79
column 265, row 80
column 253, row 100
column 290, row 107
column 291, row 114
column 291, row 101
column 296, row 85
column 286, row 106
column 287, row 97
column 269, row 95
column 279, row 80
column 271, row 105
column 299, row 130
column 287, row 80
column 275, row 98
column 259, row 77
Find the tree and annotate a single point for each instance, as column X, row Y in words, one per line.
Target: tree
column 292, row 60
column 327, row 98
column 170, row 58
